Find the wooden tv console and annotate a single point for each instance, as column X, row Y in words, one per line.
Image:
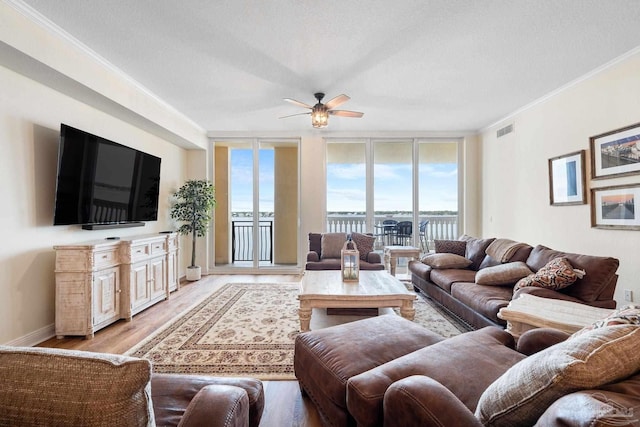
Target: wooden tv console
column 101, row 281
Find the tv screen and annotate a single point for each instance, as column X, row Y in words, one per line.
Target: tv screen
column 103, row 182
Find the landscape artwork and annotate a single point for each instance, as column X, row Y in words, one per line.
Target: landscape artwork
column 615, row 207
column 616, row 153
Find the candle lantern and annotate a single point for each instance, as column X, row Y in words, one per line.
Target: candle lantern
column 350, row 262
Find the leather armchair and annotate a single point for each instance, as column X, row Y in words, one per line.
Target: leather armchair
column 196, row 400
column 424, row 401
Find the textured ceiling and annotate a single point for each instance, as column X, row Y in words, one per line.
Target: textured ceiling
column 423, row 65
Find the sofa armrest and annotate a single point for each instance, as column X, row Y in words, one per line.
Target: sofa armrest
column 313, row 256
column 422, row 401
column 552, row 294
column 535, row 340
column 172, row 393
column 222, row 405
column 374, row 258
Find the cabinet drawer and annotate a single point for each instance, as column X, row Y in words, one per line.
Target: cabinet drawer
column 157, row 248
column 105, row 258
column 139, row 251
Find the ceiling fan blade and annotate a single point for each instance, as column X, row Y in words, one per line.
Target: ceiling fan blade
column 338, row 100
column 298, row 103
column 346, row 113
column 291, row 115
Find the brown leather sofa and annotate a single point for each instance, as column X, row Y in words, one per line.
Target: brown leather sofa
column 385, row 371
column 45, row 386
column 316, row 260
column 478, row 305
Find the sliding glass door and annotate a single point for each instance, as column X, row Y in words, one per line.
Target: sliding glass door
column 257, row 225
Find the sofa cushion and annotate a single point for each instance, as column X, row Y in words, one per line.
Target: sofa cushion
column 444, row 278
column 364, row 242
column 445, row 260
column 487, row 352
column 485, row 300
column 332, row 244
column 476, row 250
column 502, row 274
column 598, row 280
column 523, row 393
column 458, row 247
column 43, row 386
column 556, row 274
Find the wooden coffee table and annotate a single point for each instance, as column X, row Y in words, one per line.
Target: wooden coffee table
column 375, row 289
column 529, row 311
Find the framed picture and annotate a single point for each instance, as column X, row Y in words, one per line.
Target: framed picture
column 616, row 207
column 567, row 179
column 616, row 153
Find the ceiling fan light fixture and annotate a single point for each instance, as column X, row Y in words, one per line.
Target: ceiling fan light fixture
column 319, row 116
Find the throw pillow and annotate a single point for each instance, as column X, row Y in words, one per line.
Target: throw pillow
column 556, row 274
column 458, row 247
column 332, row 244
column 503, row 274
column 476, row 249
column 66, row 387
column 364, row 242
column 524, row 392
column 627, row 315
column 444, row 261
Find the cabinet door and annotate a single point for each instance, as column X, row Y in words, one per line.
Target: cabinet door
column 106, row 295
column 172, row 271
column 140, row 290
column 157, row 275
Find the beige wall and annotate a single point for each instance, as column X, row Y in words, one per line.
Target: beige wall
column 515, row 186
column 46, row 79
column 30, row 117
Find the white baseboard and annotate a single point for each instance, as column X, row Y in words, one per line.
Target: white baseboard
column 35, row 337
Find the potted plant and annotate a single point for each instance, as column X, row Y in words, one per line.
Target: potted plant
column 193, row 204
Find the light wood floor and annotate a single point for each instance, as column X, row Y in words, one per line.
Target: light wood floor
column 284, row 405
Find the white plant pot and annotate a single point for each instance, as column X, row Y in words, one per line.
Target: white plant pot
column 194, row 273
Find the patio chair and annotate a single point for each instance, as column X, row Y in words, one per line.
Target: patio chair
column 424, row 238
column 404, row 233
column 386, row 231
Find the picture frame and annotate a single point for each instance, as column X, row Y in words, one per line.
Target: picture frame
column 567, row 181
column 616, row 207
column 616, row 153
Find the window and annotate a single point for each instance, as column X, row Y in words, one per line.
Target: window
column 371, row 181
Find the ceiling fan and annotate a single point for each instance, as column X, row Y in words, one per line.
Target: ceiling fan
column 320, row 112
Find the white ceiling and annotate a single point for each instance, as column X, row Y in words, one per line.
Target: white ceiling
column 409, row 65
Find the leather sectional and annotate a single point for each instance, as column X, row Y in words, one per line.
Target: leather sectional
column 478, row 305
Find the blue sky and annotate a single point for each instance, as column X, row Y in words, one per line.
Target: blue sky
column 346, row 185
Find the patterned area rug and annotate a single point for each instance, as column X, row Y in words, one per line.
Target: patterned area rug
column 248, row 329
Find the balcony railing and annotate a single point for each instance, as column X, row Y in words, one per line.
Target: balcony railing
column 242, row 240
column 439, row 227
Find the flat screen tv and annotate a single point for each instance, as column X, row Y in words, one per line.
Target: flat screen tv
column 103, row 184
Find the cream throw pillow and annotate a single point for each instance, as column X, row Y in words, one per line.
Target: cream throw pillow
column 523, row 393
column 503, row 274
column 332, row 244
column 43, row 386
